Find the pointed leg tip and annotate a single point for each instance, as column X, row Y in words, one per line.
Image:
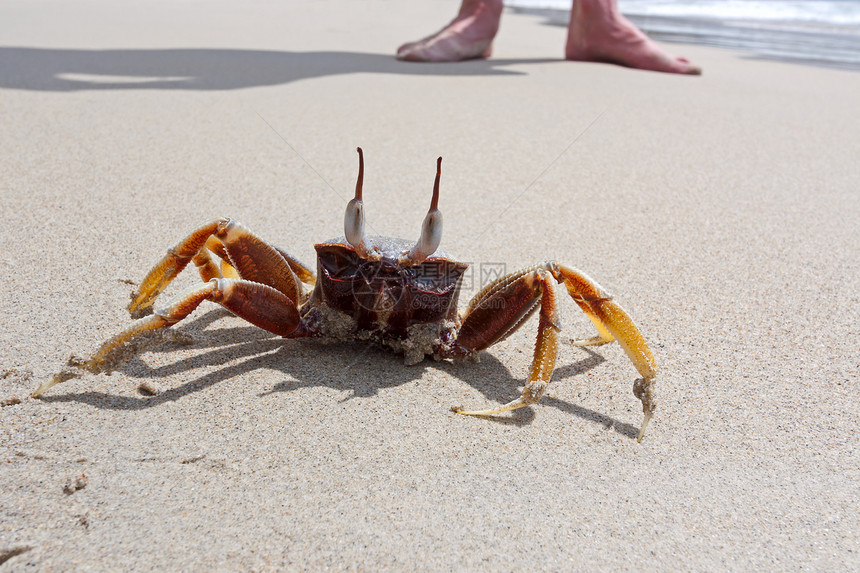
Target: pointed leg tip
column 645, row 421
column 464, row 412
column 140, row 305
column 44, row 387
column 137, row 312
column 66, row 374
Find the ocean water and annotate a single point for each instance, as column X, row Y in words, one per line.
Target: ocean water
column 823, row 32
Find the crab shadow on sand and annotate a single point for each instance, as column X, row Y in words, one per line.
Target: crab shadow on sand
column 207, row 69
column 359, row 368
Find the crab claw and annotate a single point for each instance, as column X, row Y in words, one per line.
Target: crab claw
column 431, row 229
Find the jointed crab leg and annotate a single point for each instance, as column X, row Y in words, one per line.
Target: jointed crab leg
column 208, row 268
column 546, row 347
column 257, row 303
column 252, row 259
column 213, row 244
column 303, row 273
column 509, row 297
column 498, row 310
column 255, row 281
column 606, row 312
column 168, row 268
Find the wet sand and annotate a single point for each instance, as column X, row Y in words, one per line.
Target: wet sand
column 721, row 211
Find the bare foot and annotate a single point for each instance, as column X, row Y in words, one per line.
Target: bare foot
column 598, row 32
column 470, row 35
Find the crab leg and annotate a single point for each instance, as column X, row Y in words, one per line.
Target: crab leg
column 207, row 267
column 243, row 255
column 613, row 322
column 506, row 304
column 225, row 270
column 302, row 272
column 168, row 268
column 498, row 310
column 546, row 347
column 259, row 304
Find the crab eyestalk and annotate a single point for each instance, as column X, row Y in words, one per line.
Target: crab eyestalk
column 431, row 229
column 353, row 220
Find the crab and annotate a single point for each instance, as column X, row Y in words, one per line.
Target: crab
column 380, row 289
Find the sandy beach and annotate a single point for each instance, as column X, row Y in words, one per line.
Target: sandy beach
column 721, row 211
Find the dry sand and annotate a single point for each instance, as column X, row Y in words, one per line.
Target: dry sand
column 722, row 211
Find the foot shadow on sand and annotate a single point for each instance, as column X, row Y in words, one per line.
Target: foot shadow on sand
column 61, row 70
column 358, row 368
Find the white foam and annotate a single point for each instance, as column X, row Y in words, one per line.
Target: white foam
column 834, row 12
